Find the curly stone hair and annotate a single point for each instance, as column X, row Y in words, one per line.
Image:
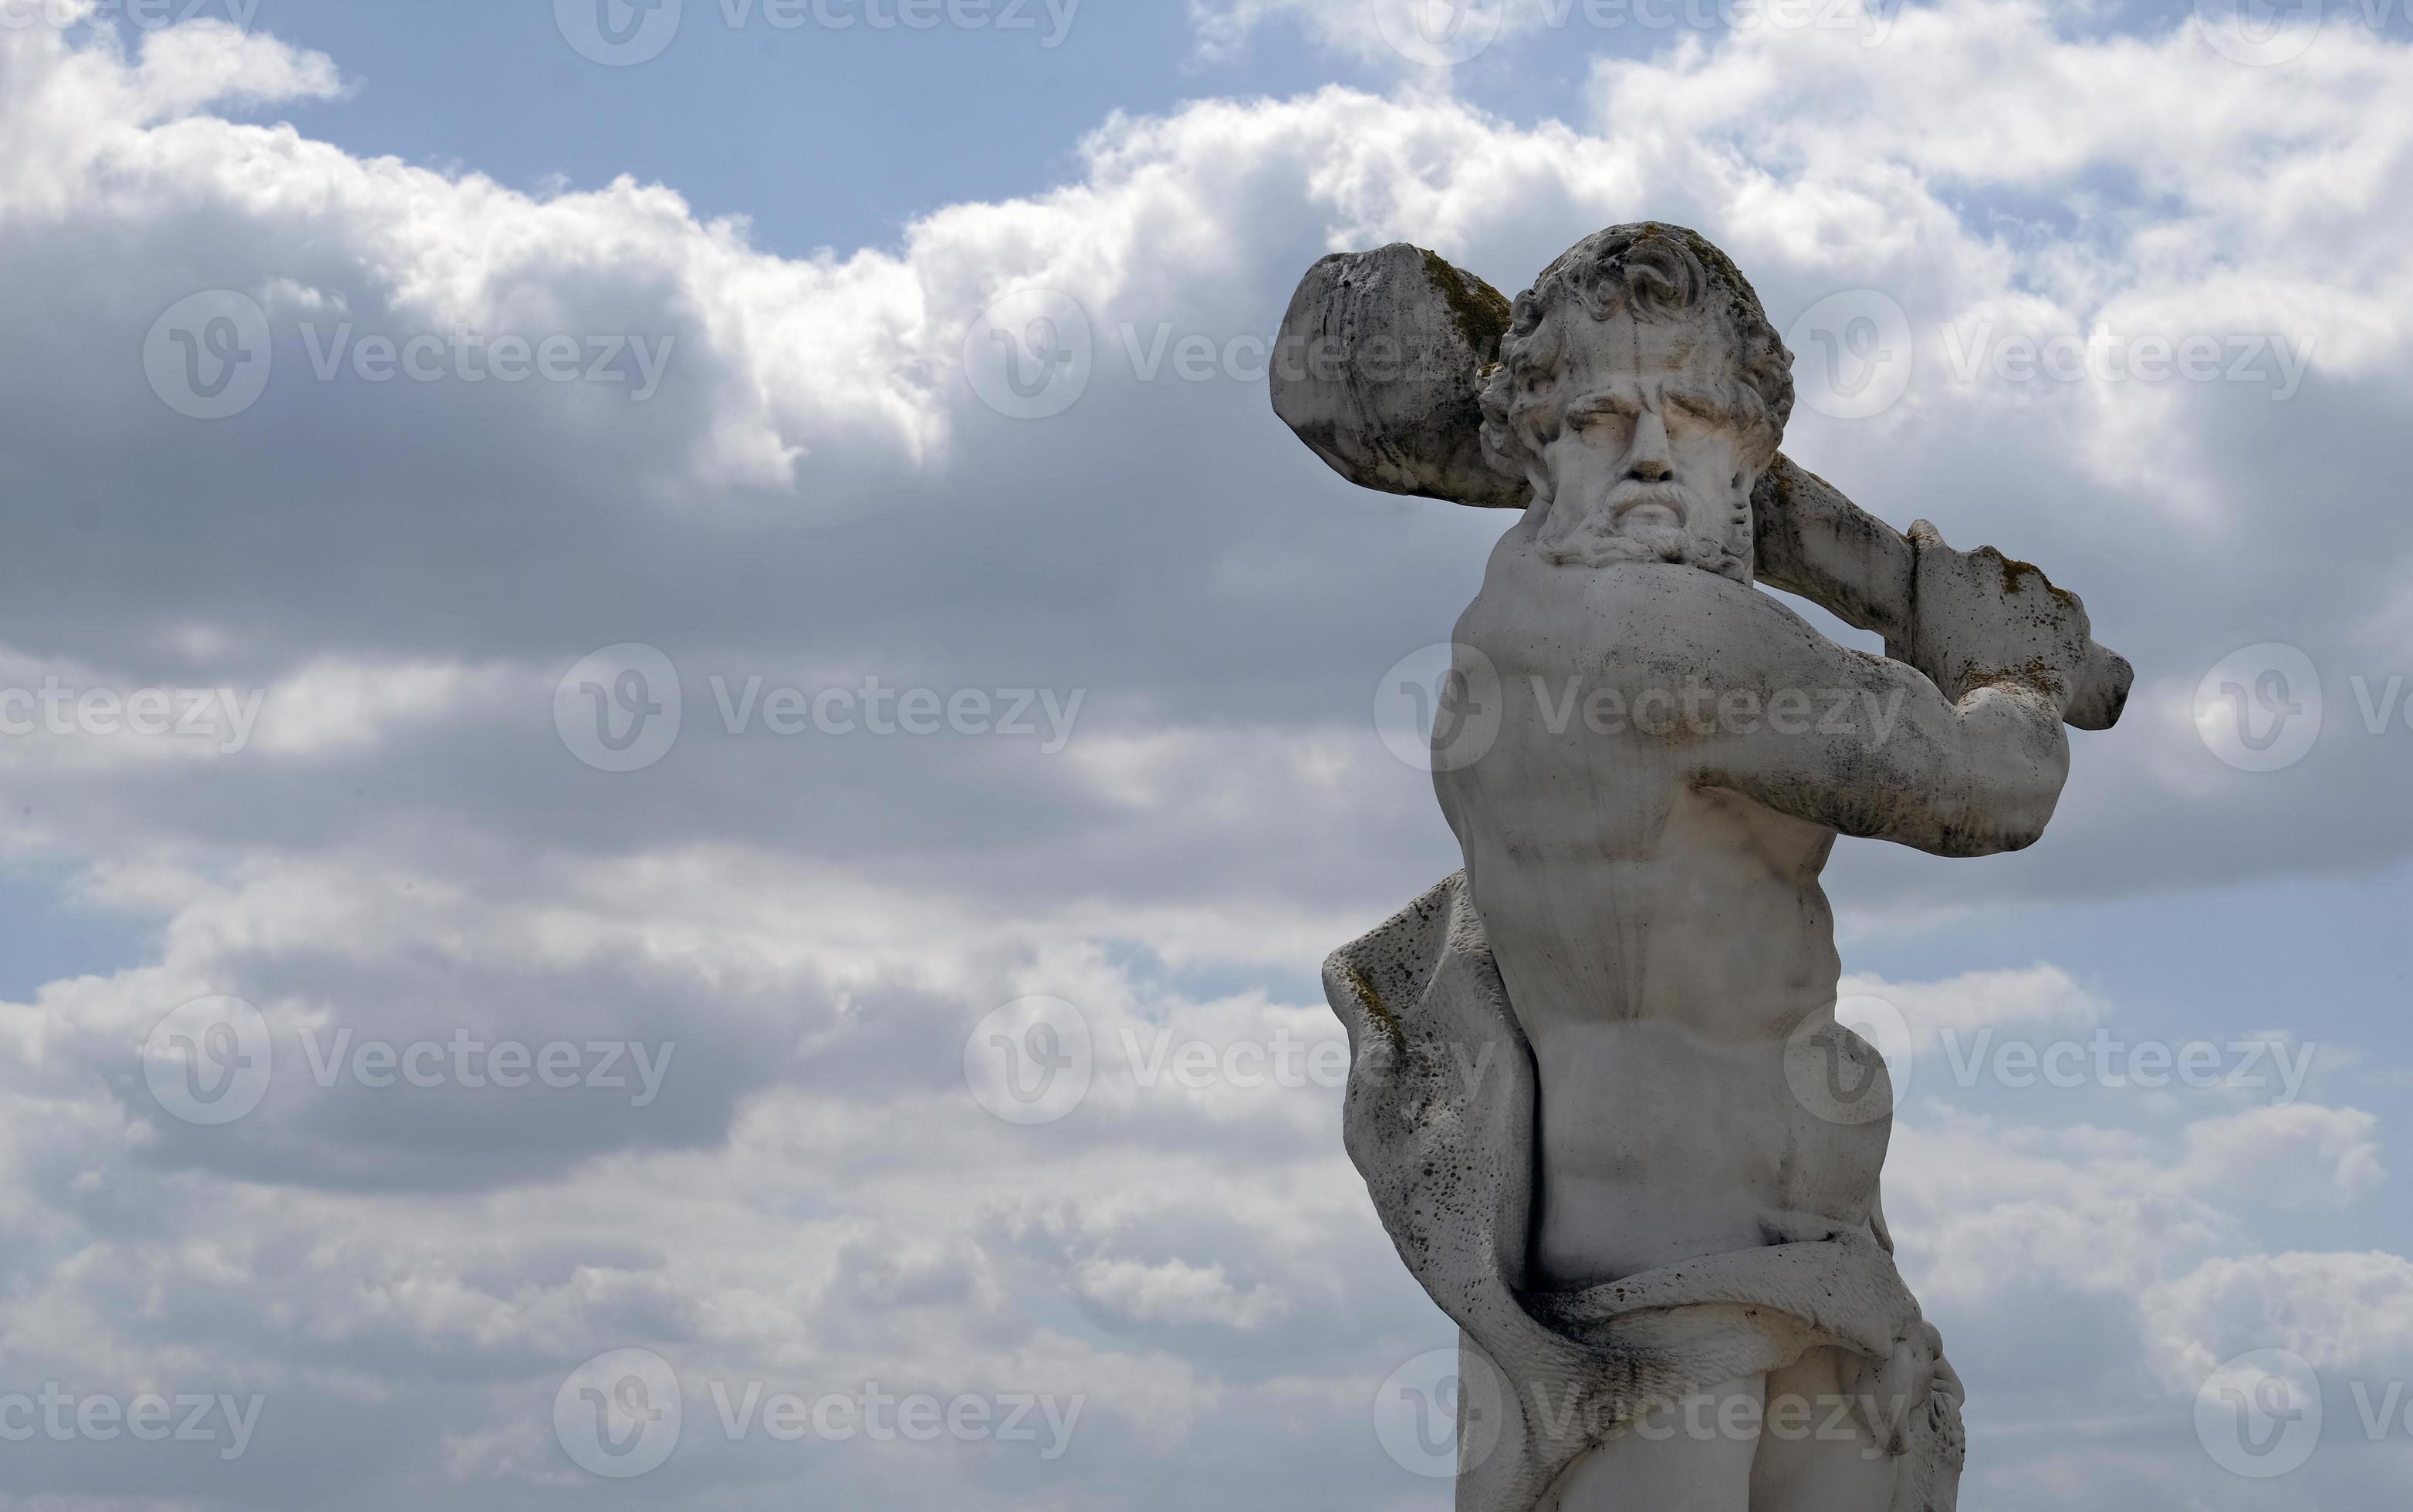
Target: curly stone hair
column 1660, row 272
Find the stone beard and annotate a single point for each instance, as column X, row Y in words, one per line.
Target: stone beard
column 1665, row 1212
column 1603, row 325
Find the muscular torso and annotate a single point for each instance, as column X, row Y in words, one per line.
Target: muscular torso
column 1660, row 938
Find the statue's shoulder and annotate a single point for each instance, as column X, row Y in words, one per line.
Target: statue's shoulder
column 1639, row 602
column 1668, row 603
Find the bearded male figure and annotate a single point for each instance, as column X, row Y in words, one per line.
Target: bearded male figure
column 1654, row 1211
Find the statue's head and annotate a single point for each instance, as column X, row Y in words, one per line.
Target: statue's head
column 1642, row 392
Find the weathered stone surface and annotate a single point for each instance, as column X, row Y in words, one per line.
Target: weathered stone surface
column 1440, row 1118
column 1378, row 367
column 1598, row 1090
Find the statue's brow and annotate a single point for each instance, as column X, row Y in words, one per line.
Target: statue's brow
column 1601, row 402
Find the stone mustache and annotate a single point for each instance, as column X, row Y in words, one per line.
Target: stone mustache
column 1662, row 1190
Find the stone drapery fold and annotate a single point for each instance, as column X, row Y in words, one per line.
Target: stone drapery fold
column 1440, row 1121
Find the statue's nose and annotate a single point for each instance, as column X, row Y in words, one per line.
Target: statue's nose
column 1647, row 459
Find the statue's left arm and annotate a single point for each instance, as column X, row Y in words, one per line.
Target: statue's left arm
column 1813, row 541
column 1967, row 762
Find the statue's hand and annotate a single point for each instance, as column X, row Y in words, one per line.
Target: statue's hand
column 1982, row 620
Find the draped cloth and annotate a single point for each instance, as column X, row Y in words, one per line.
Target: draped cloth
column 1440, row 1121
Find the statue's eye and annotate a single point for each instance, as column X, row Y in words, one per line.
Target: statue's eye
column 1599, row 419
column 1697, row 408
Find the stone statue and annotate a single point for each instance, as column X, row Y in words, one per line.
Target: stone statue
column 1597, row 1090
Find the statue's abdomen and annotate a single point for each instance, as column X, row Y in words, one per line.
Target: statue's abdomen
column 1662, row 944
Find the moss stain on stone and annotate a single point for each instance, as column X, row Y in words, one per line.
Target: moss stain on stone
column 1744, row 300
column 1373, row 1002
column 1480, row 310
column 2034, row 675
column 2014, row 570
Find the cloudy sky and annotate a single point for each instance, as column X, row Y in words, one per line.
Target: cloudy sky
column 404, row 1073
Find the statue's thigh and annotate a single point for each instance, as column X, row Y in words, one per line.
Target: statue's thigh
column 1815, row 1454
column 1694, row 1457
